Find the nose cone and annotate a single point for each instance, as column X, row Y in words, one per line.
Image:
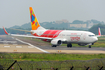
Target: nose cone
column 95, row 39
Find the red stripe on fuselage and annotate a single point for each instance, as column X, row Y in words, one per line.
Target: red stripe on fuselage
column 51, row 33
column 34, row 34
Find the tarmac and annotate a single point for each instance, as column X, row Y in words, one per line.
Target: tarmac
column 12, row 44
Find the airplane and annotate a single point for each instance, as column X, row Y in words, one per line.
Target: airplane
column 58, row 37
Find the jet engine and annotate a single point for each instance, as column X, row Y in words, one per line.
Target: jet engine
column 56, row 42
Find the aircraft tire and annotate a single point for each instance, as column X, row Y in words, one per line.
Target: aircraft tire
column 69, row 45
column 89, row 46
column 54, row 46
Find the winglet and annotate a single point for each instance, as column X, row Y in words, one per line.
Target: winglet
column 99, row 32
column 5, row 31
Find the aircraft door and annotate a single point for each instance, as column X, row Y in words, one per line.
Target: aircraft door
column 84, row 36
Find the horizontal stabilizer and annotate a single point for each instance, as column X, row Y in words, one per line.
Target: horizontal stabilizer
column 21, row 30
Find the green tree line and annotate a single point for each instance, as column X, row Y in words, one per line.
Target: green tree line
column 94, row 29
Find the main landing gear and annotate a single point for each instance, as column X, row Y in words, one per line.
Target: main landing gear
column 69, row 45
column 54, row 46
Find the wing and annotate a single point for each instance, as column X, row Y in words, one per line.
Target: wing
column 26, row 35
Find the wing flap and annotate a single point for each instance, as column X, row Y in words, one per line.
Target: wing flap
column 21, row 30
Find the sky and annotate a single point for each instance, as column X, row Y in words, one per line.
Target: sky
column 16, row 12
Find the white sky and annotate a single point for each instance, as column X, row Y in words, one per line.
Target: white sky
column 16, row 12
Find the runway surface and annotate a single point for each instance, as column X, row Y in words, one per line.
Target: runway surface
column 13, row 44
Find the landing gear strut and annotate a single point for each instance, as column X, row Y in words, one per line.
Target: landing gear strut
column 89, row 46
column 69, row 45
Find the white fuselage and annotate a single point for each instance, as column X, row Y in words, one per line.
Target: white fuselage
column 80, row 37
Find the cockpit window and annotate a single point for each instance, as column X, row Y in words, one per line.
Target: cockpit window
column 91, row 35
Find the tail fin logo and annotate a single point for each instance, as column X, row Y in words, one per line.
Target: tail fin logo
column 34, row 21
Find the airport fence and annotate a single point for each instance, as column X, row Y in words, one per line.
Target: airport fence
column 7, row 63
column 95, row 64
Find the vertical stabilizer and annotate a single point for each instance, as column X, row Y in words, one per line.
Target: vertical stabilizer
column 99, row 32
column 34, row 22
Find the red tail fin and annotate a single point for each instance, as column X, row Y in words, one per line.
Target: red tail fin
column 99, row 32
column 5, row 31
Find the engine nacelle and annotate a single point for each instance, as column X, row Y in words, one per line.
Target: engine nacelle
column 56, row 42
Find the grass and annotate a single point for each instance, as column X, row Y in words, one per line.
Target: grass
column 60, row 57
column 54, row 57
column 32, row 61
